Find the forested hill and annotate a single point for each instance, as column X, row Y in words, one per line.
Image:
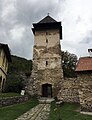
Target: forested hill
column 19, row 64
column 18, row 67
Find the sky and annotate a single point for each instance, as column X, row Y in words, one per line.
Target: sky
column 17, row 16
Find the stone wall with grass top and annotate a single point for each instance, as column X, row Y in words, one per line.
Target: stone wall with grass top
column 12, row 100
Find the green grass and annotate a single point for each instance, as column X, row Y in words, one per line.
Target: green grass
column 12, row 112
column 4, row 95
column 67, row 112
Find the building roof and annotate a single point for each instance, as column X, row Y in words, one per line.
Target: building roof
column 84, row 64
column 47, row 19
column 47, row 23
column 6, row 50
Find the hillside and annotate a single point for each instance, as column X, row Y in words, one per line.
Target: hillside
column 19, row 64
column 16, row 73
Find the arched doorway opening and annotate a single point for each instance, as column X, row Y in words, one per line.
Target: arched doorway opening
column 46, row 90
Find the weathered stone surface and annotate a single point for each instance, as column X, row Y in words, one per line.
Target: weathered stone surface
column 69, row 91
column 40, row 112
column 78, row 90
column 12, row 100
column 42, row 73
column 85, row 92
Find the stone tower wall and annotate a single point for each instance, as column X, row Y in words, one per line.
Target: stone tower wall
column 46, row 48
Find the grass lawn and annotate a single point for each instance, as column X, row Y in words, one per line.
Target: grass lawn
column 4, row 95
column 12, row 112
column 67, row 112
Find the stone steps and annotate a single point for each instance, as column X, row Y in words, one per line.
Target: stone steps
column 45, row 100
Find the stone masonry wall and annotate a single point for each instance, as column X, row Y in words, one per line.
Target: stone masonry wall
column 42, row 73
column 69, row 91
column 85, row 91
column 78, row 90
column 12, row 100
column 40, row 77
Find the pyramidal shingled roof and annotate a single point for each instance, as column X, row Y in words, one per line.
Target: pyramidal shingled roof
column 47, row 19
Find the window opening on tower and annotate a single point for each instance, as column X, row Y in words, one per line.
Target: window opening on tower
column 46, row 40
column 46, row 63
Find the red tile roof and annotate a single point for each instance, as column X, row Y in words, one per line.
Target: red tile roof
column 84, row 64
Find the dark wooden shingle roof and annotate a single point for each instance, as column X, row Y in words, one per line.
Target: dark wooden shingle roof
column 47, row 23
column 47, row 19
column 84, row 64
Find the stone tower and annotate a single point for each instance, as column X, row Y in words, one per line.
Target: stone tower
column 47, row 73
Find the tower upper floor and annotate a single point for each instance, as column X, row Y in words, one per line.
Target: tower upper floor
column 47, row 32
column 47, row 23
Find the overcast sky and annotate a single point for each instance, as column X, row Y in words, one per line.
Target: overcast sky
column 17, row 16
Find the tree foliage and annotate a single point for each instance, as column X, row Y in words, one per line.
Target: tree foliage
column 69, row 64
column 17, row 69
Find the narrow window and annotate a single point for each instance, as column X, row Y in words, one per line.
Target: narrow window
column 46, row 63
column 46, row 40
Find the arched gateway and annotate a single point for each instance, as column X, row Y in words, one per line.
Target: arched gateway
column 46, row 90
column 46, row 58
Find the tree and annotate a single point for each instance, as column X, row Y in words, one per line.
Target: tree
column 17, row 71
column 69, row 64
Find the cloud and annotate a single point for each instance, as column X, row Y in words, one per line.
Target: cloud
column 17, row 16
column 16, row 21
column 76, row 22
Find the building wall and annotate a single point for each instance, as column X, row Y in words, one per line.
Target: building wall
column 46, row 62
column 78, row 90
column 69, row 91
column 52, row 36
column 3, row 62
column 85, row 91
column 3, row 69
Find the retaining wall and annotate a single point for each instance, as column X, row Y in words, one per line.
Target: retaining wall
column 12, row 100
